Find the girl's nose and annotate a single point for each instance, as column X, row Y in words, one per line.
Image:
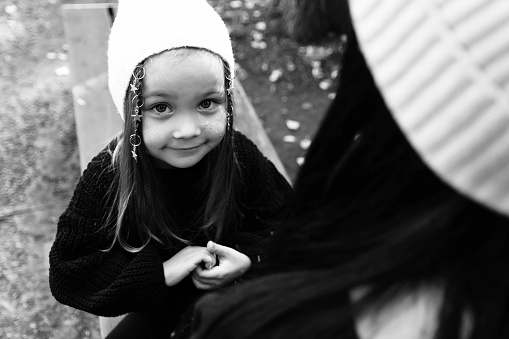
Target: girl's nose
column 186, row 128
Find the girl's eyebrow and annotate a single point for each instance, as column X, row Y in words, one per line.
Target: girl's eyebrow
column 170, row 95
column 214, row 92
column 158, row 94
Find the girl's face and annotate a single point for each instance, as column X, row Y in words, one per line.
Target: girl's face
column 184, row 115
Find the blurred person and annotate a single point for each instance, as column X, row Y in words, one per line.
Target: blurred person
column 399, row 224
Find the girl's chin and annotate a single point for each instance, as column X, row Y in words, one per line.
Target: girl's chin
column 182, row 164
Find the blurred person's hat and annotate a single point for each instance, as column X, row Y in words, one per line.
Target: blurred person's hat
column 442, row 67
column 143, row 28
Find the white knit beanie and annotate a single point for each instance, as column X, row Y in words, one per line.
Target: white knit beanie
column 143, row 28
column 442, row 67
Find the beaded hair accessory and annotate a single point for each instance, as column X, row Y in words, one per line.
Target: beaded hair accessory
column 135, row 139
column 229, row 94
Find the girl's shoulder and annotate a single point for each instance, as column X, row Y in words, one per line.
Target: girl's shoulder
column 243, row 144
column 100, row 170
column 260, row 176
column 248, row 154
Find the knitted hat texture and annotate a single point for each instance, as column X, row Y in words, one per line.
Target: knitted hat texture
column 442, row 67
column 143, row 28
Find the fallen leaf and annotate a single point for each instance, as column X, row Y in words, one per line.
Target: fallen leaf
column 289, row 138
column 316, row 70
column 235, row 4
column 261, row 26
column 316, row 53
column 258, row 44
column 305, row 143
column 300, row 161
column 275, row 75
column 325, row 84
column 62, row 71
column 11, row 9
column 292, row 125
column 257, row 36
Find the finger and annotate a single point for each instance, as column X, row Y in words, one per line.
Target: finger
column 209, row 260
column 217, row 249
column 205, row 276
column 217, row 273
column 204, row 283
column 200, row 285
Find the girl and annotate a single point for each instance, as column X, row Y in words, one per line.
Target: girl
column 399, row 225
column 143, row 230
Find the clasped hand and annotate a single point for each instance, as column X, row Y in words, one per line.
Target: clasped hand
column 211, row 267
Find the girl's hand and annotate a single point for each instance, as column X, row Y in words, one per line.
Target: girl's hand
column 232, row 265
column 186, row 261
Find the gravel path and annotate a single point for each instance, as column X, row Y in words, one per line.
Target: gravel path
column 38, row 171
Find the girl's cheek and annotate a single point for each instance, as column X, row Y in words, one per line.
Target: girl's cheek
column 216, row 125
column 151, row 135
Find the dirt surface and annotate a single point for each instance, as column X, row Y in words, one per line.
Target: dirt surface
column 38, row 154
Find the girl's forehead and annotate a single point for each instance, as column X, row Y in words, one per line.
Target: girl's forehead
column 177, row 67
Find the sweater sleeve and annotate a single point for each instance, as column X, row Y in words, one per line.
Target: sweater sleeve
column 263, row 199
column 84, row 276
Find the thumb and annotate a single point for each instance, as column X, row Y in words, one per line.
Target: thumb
column 209, row 262
column 217, row 249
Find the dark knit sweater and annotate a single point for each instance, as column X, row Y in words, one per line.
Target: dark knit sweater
column 117, row 282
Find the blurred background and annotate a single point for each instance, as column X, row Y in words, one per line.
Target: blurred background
column 290, row 85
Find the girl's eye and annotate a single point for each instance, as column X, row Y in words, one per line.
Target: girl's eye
column 160, row 109
column 208, row 104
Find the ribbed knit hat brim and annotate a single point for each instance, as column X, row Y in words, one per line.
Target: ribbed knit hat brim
column 443, row 69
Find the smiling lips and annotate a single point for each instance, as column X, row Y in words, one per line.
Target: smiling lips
column 185, row 148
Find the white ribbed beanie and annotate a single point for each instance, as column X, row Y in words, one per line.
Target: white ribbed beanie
column 442, row 67
column 146, row 27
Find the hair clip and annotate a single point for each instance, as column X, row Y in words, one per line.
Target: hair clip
column 229, row 116
column 139, row 73
column 135, row 141
column 233, row 74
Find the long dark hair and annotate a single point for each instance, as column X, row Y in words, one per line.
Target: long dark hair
column 367, row 211
column 138, row 214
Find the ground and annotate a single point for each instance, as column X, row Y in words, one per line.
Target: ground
column 289, row 85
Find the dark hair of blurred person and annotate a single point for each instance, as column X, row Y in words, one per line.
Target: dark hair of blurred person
column 380, row 241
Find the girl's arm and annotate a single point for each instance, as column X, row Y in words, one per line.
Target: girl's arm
column 84, row 277
column 265, row 194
